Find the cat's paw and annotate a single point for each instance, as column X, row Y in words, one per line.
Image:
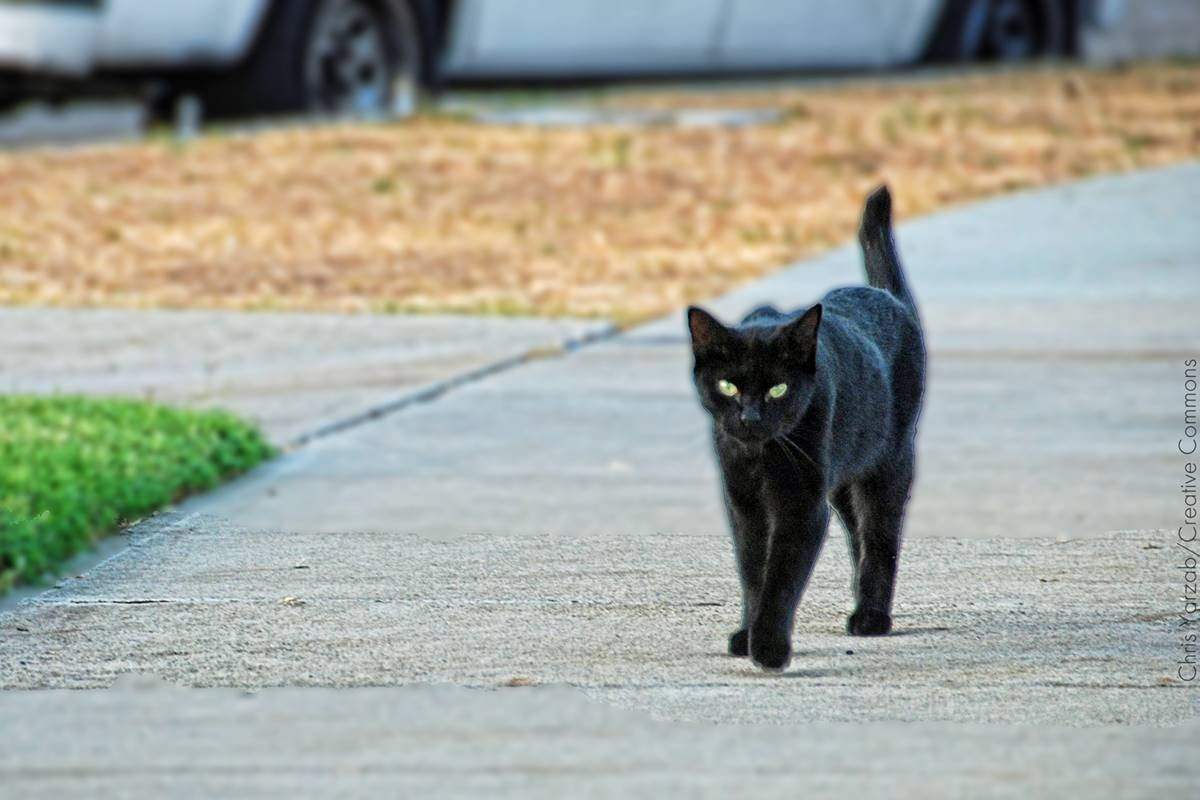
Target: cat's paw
column 770, row 651
column 739, row 643
column 868, row 622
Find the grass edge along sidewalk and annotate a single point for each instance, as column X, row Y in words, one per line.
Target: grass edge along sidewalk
column 74, row 469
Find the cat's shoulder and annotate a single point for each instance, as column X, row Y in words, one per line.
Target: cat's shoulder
column 765, row 314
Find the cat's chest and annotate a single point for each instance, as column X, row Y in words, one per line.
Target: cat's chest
column 777, row 465
column 750, row 466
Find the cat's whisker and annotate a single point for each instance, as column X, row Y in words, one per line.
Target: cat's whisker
column 783, row 447
column 801, row 451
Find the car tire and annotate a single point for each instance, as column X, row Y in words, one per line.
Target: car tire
column 329, row 57
column 9, row 99
column 1001, row 30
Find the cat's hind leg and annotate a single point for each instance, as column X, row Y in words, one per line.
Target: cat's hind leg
column 878, row 504
column 842, row 501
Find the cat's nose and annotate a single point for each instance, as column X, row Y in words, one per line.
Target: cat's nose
column 751, row 415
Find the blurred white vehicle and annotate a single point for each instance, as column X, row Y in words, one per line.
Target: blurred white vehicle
column 371, row 55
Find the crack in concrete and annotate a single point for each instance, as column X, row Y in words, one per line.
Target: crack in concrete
column 436, row 390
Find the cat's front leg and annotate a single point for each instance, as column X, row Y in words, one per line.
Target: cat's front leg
column 750, row 548
column 798, row 529
column 748, row 526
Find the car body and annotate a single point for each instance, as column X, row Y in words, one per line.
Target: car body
column 530, row 38
column 81, row 37
column 284, row 49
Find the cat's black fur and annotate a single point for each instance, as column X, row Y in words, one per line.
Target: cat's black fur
column 842, row 434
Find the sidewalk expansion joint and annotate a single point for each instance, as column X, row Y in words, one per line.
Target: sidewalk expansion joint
column 434, row 391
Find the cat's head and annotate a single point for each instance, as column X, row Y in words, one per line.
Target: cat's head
column 755, row 379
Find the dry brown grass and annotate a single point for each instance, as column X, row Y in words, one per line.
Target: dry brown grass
column 438, row 213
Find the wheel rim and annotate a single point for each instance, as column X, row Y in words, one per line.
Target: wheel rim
column 1012, row 32
column 348, row 68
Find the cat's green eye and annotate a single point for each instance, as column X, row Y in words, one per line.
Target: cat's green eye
column 777, row 391
column 726, row 388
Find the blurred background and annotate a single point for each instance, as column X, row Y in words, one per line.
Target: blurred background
column 304, row 212
column 372, row 57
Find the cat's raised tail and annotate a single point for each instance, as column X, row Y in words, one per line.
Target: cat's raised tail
column 879, row 248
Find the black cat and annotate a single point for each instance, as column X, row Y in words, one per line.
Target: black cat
column 813, row 406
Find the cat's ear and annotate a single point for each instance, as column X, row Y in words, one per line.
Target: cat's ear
column 802, row 337
column 707, row 330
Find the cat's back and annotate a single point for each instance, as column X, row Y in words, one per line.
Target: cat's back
column 873, row 314
column 875, row 333
column 861, row 318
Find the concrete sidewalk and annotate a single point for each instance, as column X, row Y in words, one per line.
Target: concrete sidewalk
column 542, row 742
column 1078, row 632
column 558, row 524
column 291, row 373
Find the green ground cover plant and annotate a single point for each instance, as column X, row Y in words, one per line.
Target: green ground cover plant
column 73, row 469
